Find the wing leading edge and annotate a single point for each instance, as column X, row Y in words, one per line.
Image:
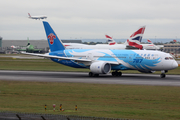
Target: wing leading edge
column 69, row 58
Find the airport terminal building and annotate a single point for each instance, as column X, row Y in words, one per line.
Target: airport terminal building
column 40, row 44
column 36, row 43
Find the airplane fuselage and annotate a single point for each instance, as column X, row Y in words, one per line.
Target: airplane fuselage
column 38, row 17
column 143, row 60
column 107, row 46
column 102, row 61
column 97, row 46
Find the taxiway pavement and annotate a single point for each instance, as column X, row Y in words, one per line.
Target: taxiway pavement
column 79, row 77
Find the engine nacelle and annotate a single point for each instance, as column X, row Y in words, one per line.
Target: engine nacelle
column 100, row 67
column 146, row 71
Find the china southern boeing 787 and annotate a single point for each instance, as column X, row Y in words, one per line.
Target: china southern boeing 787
column 102, row 61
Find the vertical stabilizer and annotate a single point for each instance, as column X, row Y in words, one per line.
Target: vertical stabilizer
column 110, row 40
column 137, row 36
column 54, row 43
column 29, row 14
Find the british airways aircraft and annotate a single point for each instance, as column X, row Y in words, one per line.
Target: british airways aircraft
column 135, row 39
column 37, row 17
column 102, row 61
column 134, row 42
column 110, row 40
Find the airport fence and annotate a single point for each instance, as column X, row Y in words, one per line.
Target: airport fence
column 31, row 116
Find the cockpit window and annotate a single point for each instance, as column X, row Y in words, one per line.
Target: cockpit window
column 166, row 58
column 169, row 58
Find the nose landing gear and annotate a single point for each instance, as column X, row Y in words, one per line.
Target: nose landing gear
column 163, row 75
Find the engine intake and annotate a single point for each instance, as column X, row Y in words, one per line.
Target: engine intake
column 100, row 67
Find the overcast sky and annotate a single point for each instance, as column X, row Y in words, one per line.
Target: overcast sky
column 90, row 19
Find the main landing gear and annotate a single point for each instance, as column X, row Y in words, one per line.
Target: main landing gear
column 93, row 75
column 116, row 73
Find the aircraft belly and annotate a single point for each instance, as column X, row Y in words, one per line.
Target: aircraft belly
column 70, row 63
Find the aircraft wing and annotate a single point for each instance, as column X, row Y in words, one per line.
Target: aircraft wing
column 20, row 49
column 68, row 58
column 58, row 57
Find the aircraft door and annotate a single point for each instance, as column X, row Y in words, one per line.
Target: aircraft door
column 131, row 58
column 89, row 56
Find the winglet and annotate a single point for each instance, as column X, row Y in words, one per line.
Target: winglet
column 54, row 43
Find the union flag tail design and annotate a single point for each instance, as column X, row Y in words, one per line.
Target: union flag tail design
column 149, row 41
column 54, row 43
column 134, row 44
column 110, row 40
column 137, row 36
column 107, row 36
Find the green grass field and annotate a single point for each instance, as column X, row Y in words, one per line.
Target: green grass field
column 99, row 100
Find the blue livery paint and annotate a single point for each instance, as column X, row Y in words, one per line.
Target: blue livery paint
column 54, row 43
column 69, row 63
column 127, row 56
column 128, row 59
column 106, row 57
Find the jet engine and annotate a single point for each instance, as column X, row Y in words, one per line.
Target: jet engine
column 146, row 71
column 100, row 67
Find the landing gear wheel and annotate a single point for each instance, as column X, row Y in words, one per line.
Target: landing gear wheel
column 116, row 73
column 96, row 75
column 163, row 75
column 93, row 75
column 90, row 74
column 119, row 73
column 113, row 73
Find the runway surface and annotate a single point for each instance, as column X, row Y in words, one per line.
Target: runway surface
column 79, row 77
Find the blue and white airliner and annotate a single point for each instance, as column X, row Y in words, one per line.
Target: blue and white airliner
column 102, row 61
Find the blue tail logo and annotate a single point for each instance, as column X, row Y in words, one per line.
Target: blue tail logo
column 54, row 43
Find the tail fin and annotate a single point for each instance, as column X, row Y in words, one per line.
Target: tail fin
column 29, row 14
column 137, row 36
column 134, row 44
column 110, row 40
column 54, row 43
column 28, row 42
column 150, row 42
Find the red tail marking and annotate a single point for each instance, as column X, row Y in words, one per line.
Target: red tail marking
column 51, row 37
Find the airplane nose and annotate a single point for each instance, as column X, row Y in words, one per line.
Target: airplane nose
column 174, row 65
